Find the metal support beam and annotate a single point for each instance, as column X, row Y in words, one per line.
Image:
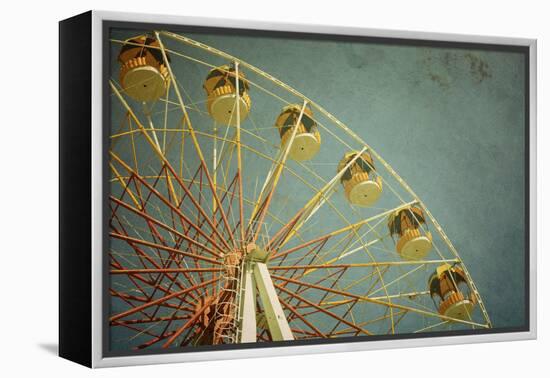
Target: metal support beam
column 276, row 319
column 248, row 306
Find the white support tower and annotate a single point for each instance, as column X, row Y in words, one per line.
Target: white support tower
column 248, row 305
column 256, row 284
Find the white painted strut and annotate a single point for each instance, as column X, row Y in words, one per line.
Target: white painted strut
column 276, row 319
column 256, row 281
column 248, row 309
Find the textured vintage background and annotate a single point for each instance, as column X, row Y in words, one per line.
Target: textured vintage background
column 449, row 121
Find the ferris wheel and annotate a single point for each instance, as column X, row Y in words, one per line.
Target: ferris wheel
column 243, row 211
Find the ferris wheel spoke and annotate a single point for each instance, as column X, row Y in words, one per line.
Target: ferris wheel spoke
column 168, row 325
column 166, row 263
column 384, row 317
column 400, row 278
column 228, row 196
column 238, row 142
column 125, row 183
column 166, row 329
column 311, row 253
column 176, row 209
column 315, row 311
column 144, row 256
column 152, row 141
column 154, row 341
column 159, row 319
column 266, row 193
column 432, row 326
column 395, row 324
column 349, row 228
column 128, row 297
column 162, row 270
column 379, row 302
column 155, row 283
column 116, row 265
column 151, row 282
column 162, row 300
column 121, row 229
column 132, row 298
column 189, row 323
column 300, row 290
column 150, row 219
column 302, row 318
column 359, row 265
column 338, row 274
column 139, row 331
column 152, row 222
column 132, row 240
column 158, row 284
column 309, row 209
column 350, row 232
column 188, row 337
column 163, row 273
column 166, row 165
column 353, row 302
column 304, row 334
column 195, row 140
column 321, row 309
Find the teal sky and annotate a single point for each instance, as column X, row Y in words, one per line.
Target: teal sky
column 449, row 121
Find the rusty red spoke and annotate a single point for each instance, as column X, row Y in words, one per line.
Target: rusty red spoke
column 258, row 221
column 142, row 256
column 155, row 284
column 312, row 253
column 161, row 300
column 335, row 281
column 140, row 252
column 301, row 288
column 323, row 310
column 214, row 194
column 163, row 199
column 169, row 270
column 163, row 247
column 322, row 239
column 154, row 341
column 228, row 196
column 306, row 334
column 182, row 216
column 129, row 297
column 155, row 221
column 302, row 318
column 252, row 225
column 138, row 330
column 189, row 323
column 114, row 263
column 284, row 231
column 314, row 311
column 173, row 258
column 153, row 320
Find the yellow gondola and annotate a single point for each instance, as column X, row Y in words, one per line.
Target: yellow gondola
column 451, row 293
column 143, row 73
column 414, row 242
column 307, row 140
column 361, row 183
column 221, row 92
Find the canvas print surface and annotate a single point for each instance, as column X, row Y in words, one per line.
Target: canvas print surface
column 271, row 189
